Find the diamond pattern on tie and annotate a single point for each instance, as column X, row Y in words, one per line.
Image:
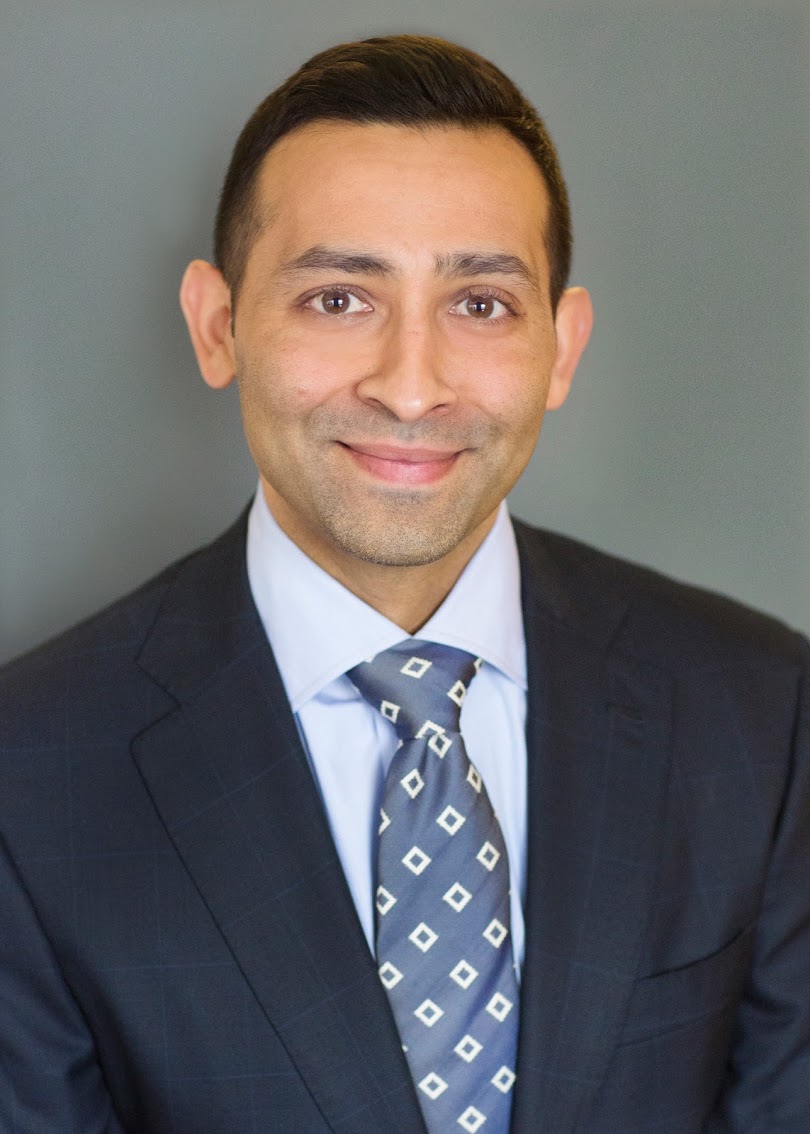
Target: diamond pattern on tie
column 389, row 974
column 457, row 897
column 433, row 1085
column 488, row 856
column 443, row 942
column 423, row 938
column 384, row 900
column 503, row 1079
column 463, row 974
column 495, row 933
column 428, row 1013
column 413, row 783
column 450, row 819
column 467, row 1048
column 416, row 860
column 471, row 1120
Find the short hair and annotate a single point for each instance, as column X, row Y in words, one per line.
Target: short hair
column 405, row 80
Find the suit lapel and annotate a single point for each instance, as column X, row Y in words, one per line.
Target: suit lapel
column 232, row 785
column 597, row 735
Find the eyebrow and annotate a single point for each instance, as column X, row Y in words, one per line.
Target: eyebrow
column 320, row 258
column 458, row 264
column 452, row 265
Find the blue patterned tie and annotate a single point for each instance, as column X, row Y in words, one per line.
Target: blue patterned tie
column 443, row 942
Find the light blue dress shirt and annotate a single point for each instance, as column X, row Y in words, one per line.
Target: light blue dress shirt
column 318, row 630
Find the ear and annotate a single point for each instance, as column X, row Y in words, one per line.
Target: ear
column 206, row 302
column 573, row 323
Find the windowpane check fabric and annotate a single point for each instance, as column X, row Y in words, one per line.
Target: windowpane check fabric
column 442, row 900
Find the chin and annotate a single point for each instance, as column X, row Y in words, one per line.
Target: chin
column 399, row 544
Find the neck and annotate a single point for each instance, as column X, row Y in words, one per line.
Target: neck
column 407, row 596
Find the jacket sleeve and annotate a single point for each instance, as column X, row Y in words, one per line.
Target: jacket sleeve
column 768, row 1086
column 50, row 1078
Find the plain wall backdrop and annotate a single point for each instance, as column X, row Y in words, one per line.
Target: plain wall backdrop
column 684, row 133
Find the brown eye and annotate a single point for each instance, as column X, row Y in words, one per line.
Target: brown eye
column 480, row 306
column 483, row 307
column 335, row 302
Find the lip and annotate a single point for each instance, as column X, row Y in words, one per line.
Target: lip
column 387, row 452
column 402, row 464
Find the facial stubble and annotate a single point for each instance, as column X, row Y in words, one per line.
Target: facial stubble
column 379, row 523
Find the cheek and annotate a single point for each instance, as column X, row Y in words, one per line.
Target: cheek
column 512, row 386
column 305, row 372
column 282, row 383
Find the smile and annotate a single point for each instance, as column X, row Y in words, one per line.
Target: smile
column 397, row 464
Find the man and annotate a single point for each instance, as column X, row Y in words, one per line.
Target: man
column 241, row 828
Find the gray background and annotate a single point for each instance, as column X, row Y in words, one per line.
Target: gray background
column 684, row 132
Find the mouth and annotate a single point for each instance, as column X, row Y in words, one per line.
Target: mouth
column 402, row 464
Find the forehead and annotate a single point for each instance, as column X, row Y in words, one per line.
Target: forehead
column 409, row 192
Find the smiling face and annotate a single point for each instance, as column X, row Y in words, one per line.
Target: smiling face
column 393, row 338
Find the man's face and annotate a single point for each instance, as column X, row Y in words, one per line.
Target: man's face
column 394, row 341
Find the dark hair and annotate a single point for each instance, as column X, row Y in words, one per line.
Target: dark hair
column 405, row 80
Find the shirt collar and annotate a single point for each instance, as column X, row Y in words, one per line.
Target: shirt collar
column 318, row 629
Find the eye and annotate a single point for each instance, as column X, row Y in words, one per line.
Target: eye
column 481, row 306
column 337, row 301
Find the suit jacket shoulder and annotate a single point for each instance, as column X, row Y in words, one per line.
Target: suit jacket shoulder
column 101, row 653
column 672, row 623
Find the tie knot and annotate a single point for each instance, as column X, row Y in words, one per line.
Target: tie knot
column 417, row 684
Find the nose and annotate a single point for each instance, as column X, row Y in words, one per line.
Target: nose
column 406, row 375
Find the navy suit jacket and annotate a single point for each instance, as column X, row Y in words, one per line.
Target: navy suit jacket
column 179, row 952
